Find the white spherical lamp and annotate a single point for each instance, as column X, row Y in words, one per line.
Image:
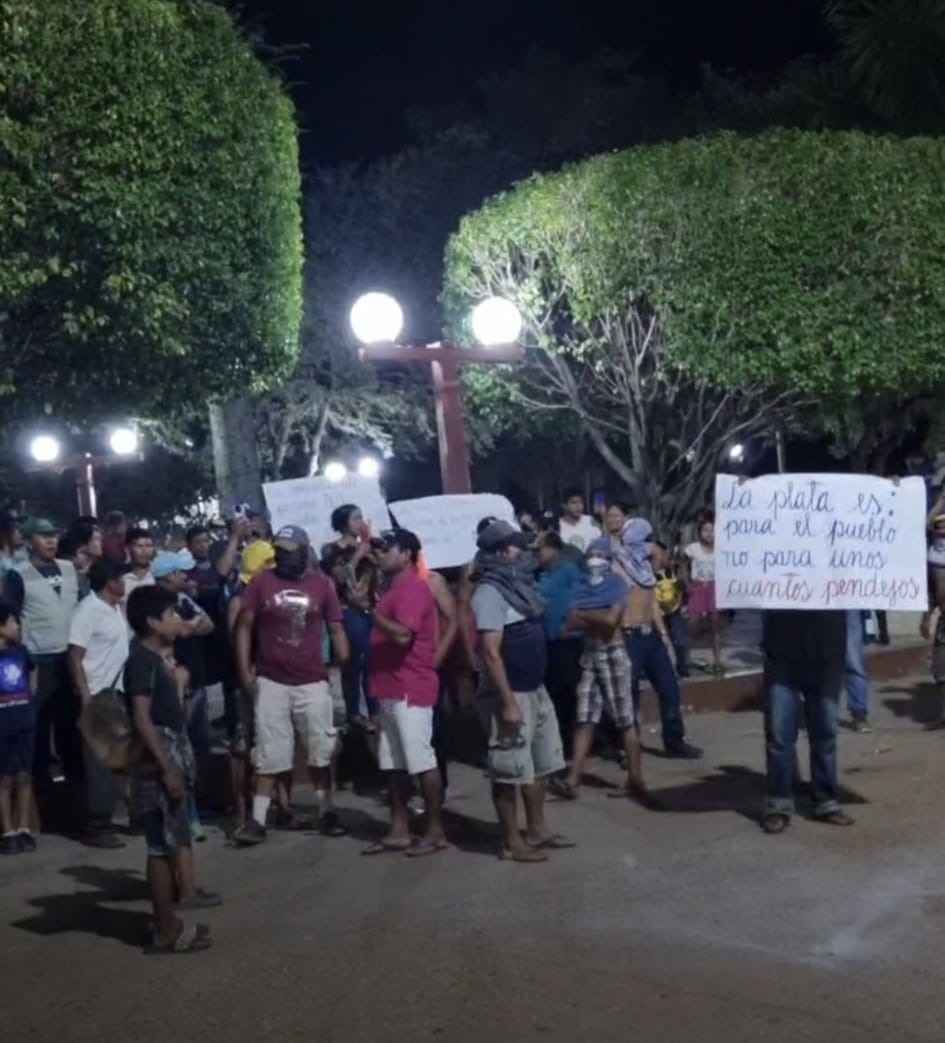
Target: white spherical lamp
column 123, row 441
column 496, row 321
column 376, row 318
column 335, row 471
column 45, row 449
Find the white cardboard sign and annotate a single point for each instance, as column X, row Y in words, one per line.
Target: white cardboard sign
column 309, row 502
column 820, row 541
column 446, row 525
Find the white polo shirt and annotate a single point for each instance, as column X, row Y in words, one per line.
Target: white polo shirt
column 101, row 630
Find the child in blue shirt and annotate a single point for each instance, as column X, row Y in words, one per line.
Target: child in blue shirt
column 17, row 738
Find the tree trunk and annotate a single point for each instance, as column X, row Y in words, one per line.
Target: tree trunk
column 235, row 454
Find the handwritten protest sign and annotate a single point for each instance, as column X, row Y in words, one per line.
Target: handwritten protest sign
column 309, row 502
column 820, row 541
column 446, row 525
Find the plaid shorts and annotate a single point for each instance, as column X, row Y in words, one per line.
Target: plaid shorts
column 605, row 685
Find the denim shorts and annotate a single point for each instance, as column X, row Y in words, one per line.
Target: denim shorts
column 16, row 752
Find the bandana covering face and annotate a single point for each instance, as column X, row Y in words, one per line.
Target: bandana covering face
column 633, row 553
column 514, row 580
column 291, row 564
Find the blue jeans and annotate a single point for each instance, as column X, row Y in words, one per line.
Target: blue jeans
column 649, row 659
column 855, row 677
column 354, row 677
column 676, row 627
column 786, row 686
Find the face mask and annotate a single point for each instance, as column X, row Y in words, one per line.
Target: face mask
column 597, row 569
column 290, row 564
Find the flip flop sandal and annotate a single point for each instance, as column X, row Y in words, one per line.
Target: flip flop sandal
column 529, row 855
column 383, row 847
column 192, row 938
column 641, row 795
column 775, row 823
column 563, row 789
column 554, row 842
column 426, row 847
column 201, row 899
column 835, row 818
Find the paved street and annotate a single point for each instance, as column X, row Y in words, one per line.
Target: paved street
column 689, row 925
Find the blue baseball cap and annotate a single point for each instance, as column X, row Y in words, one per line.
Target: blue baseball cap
column 168, row 562
column 291, row 537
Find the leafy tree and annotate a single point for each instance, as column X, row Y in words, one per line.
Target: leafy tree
column 150, row 246
column 894, row 54
column 681, row 296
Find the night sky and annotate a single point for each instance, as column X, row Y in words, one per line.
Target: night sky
column 365, row 62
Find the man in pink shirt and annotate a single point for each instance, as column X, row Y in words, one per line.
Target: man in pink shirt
column 404, row 681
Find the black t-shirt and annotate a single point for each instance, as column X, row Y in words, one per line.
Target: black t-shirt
column 804, row 635
column 146, row 673
column 214, row 649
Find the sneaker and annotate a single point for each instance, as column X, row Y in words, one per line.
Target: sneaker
column 10, row 845
column 861, row 724
column 26, row 842
column 684, row 751
column 250, row 835
column 329, row 825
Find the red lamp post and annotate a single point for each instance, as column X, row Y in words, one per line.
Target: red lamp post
column 377, row 320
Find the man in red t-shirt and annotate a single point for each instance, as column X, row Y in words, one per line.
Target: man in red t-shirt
column 403, row 679
column 279, row 656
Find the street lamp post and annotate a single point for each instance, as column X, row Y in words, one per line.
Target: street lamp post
column 46, row 451
column 377, row 320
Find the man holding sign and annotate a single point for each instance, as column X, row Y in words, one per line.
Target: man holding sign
column 805, row 549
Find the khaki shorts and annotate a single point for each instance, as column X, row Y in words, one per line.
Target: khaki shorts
column 537, row 752
column 406, row 739
column 284, row 711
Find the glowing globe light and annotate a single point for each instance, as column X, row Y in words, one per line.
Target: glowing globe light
column 123, row 441
column 368, row 467
column 376, row 318
column 335, row 471
column 45, row 449
column 496, row 321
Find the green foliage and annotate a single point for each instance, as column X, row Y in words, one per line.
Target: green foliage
column 150, row 232
column 674, row 293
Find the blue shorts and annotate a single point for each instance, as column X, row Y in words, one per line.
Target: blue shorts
column 16, row 752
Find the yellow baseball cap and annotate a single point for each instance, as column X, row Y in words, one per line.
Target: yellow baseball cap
column 257, row 556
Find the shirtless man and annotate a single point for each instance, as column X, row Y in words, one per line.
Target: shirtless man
column 648, row 643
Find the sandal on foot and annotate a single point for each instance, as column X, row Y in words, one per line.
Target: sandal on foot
column 775, row 822
column 835, row 818
column 201, row 899
column 190, row 938
column 387, row 847
column 552, row 842
column 426, row 847
column 529, row 854
column 563, row 789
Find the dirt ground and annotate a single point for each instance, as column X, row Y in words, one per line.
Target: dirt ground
column 688, row 924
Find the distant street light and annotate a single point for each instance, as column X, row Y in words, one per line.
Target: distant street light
column 377, row 320
column 45, row 449
column 124, row 441
column 737, row 453
column 335, row 471
column 369, row 467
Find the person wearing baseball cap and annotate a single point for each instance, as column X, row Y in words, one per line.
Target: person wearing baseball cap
column 404, row 681
column 278, row 637
column 524, row 738
column 44, row 591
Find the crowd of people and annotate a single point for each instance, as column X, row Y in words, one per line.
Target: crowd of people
column 119, row 650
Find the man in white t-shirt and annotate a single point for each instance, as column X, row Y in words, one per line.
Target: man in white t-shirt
column 98, row 648
column 577, row 529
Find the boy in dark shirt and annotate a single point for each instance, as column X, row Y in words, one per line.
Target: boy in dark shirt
column 17, row 737
column 163, row 775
